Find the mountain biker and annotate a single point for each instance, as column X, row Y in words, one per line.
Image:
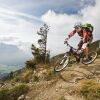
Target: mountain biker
column 85, row 39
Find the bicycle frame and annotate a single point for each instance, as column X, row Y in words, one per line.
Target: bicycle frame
column 72, row 49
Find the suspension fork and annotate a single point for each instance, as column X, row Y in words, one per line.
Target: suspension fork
column 67, row 54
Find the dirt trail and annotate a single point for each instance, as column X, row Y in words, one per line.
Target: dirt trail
column 62, row 87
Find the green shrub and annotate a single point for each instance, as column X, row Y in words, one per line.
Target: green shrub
column 16, row 79
column 49, row 74
column 26, row 75
column 4, row 94
column 31, row 64
column 13, row 93
column 35, row 78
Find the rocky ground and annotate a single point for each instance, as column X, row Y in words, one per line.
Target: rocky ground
column 65, row 85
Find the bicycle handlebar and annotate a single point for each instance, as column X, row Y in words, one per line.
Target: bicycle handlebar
column 68, row 44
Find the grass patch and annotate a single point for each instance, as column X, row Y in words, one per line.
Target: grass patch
column 35, row 78
column 90, row 90
column 4, row 94
column 24, row 77
column 49, row 74
column 62, row 98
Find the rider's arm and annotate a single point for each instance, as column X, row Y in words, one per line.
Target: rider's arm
column 70, row 34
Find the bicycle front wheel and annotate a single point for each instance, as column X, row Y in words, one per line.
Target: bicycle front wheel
column 61, row 64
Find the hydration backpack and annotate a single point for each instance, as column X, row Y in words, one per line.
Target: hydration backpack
column 88, row 27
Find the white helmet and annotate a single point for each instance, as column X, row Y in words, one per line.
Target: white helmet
column 78, row 24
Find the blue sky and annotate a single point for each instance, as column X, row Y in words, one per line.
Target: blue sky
column 39, row 7
column 21, row 19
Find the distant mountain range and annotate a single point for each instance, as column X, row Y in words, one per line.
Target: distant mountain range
column 11, row 55
column 2, row 75
column 5, row 70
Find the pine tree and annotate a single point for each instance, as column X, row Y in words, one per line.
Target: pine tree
column 41, row 54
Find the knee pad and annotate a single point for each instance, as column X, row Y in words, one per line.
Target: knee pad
column 84, row 45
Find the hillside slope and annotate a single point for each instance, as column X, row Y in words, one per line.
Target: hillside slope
column 65, row 86
column 76, row 82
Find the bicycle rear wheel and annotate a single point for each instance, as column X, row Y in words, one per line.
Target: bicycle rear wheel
column 61, row 64
column 91, row 57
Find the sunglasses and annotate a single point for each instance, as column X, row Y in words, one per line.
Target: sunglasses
column 76, row 27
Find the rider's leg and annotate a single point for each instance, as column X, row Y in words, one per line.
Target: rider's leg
column 85, row 49
column 80, row 44
column 78, row 49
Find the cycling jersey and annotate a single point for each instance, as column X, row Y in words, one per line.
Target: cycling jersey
column 84, row 34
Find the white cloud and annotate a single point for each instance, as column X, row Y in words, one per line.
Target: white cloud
column 7, row 39
column 17, row 28
column 91, row 14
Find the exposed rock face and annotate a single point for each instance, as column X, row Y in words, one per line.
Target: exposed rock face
column 22, row 97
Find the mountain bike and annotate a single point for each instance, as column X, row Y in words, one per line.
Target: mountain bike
column 65, row 60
